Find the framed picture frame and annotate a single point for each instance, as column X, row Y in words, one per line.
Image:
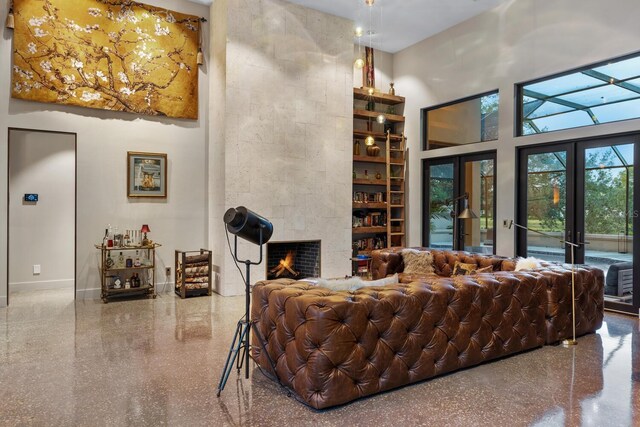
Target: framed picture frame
column 146, row 174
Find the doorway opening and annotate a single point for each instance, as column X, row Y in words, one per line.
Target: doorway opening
column 451, row 185
column 584, row 192
column 41, row 217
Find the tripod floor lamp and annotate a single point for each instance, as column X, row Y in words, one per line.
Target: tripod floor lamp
column 573, row 246
column 466, row 213
column 241, row 222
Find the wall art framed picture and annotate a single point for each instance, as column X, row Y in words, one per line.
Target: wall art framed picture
column 146, row 174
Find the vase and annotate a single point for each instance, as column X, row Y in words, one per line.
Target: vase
column 356, row 148
column 392, row 90
column 373, row 150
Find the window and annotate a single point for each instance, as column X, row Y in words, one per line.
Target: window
column 606, row 92
column 466, row 121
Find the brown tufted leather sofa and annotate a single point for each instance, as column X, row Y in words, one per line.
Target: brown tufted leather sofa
column 589, row 286
column 334, row 347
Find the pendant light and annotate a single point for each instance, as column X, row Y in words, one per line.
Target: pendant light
column 200, row 56
column 10, row 22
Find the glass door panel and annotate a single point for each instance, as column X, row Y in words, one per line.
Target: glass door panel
column 478, row 181
column 546, row 205
column 440, row 192
column 584, row 192
column 608, row 217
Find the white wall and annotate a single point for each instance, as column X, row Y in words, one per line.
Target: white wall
column 516, row 42
column 103, row 141
column 41, row 233
column 288, row 127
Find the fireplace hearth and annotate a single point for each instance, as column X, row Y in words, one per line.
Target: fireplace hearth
column 293, row 259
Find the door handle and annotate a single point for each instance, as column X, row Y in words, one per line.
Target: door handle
column 579, row 240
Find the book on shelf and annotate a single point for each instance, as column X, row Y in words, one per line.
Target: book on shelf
column 366, row 197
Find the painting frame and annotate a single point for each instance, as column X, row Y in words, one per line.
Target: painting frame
column 146, row 175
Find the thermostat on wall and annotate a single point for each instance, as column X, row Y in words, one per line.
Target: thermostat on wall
column 31, row 197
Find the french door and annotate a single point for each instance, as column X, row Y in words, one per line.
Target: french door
column 451, row 185
column 583, row 192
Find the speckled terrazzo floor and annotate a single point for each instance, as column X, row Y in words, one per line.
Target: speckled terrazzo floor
column 158, row 362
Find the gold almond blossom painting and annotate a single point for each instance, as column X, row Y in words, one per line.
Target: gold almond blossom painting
column 107, row 54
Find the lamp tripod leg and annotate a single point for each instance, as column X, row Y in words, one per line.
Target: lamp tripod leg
column 572, row 341
column 240, row 341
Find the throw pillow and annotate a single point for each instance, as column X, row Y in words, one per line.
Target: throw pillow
column 530, row 263
column 417, row 262
column 390, row 280
column 462, row 269
column 487, row 269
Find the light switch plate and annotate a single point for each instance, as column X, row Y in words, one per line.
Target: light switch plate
column 36, row 269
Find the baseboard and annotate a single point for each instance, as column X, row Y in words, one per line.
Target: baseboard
column 41, row 285
column 3, row 301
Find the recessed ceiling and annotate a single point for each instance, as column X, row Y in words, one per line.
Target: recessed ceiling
column 398, row 24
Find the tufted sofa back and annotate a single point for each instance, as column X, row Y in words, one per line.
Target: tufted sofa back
column 333, row 347
column 386, row 262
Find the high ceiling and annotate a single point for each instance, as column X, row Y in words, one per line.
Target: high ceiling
column 398, row 24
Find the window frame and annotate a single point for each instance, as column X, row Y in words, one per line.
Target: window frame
column 424, row 126
column 519, row 94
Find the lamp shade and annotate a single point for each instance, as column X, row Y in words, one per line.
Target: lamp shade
column 145, row 229
column 467, row 214
column 249, row 225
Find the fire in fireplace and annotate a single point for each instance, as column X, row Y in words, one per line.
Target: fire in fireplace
column 285, row 267
column 293, row 259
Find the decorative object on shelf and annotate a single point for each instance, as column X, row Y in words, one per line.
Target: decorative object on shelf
column 244, row 223
column 146, row 174
column 371, row 105
column 391, row 109
column 356, row 147
column 381, row 118
column 130, row 57
column 378, row 175
column 372, row 148
column 392, row 90
column 145, row 229
column 369, row 71
column 10, row 22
